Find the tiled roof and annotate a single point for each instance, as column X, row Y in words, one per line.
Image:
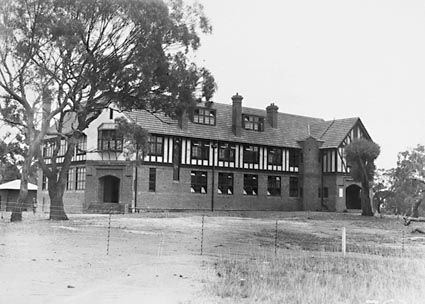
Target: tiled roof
column 334, row 132
column 291, row 128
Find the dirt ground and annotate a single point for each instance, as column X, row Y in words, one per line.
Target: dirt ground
column 156, row 257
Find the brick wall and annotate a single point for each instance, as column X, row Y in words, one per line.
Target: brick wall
column 312, row 173
column 171, row 194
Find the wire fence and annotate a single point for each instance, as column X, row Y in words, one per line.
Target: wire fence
column 215, row 235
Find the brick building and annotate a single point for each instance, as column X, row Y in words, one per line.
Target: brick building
column 220, row 157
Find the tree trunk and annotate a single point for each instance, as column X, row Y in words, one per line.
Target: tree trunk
column 366, row 206
column 56, row 191
column 415, row 207
column 17, row 208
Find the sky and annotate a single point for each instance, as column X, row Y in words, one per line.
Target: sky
column 329, row 59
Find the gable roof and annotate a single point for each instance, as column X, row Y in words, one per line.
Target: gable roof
column 333, row 132
column 16, row 185
column 291, row 128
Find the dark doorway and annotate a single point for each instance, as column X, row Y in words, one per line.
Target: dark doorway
column 110, row 188
column 353, row 198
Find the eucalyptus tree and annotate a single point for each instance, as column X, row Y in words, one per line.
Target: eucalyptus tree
column 361, row 155
column 75, row 57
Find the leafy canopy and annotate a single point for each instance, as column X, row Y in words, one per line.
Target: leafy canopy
column 361, row 154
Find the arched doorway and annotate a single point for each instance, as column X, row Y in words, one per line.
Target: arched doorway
column 352, row 197
column 109, row 189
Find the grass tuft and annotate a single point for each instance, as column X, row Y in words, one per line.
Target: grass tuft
column 300, row 277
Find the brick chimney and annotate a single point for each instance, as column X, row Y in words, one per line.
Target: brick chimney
column 183, row 120
column 237, row 114
column 272, row 115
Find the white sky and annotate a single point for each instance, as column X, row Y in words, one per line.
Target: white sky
column 327, row 59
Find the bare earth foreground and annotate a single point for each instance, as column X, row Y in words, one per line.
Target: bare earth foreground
column 156, row 257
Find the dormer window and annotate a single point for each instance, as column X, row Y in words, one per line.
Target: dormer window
column 251, row 122
column 204, row 116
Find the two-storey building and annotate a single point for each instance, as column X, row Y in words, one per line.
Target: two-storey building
column 220, row 157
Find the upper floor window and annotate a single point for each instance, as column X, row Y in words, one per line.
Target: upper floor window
column 108, row 140
column 81, row 146
column 226, row 152
column 251, row 122
column 295, row 157
column 204, row 116
column 156, row 145
column 48, row 148
column 274, row 156
column 200, row 150
column 251, row 154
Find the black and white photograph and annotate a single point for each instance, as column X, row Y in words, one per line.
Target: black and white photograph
column 203, row 152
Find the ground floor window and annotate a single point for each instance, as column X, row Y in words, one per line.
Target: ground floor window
column 250, row 184
column 198, row 182
column 81, row 178
column 325, row 192
column 70, row 184
column 225, row 183
column 293, row 186
column 273, row 186
column 76, row 179
column 152, row 179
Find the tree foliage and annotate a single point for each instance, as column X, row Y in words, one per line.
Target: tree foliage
column 135, row 139
column 75, row 57
column 408, row 181
column 361, row 155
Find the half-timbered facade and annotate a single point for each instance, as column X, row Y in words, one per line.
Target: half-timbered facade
column 220, row 157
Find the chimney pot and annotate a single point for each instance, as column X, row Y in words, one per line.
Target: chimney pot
column 272, row 115
column 237, row 114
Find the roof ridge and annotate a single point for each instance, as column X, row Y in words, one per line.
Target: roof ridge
column 327, row 129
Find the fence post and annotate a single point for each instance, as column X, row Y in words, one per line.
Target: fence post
column 402, row 242
column 109, row 233
column 202, row 235
column 344, row 241
column 275, row 239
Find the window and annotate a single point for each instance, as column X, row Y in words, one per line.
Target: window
column 325, row 192
column 274, row 156
column 152, row 179
column 198, row 182
column 204, row 116
column 226, row 152
column 293, row 187
column 200, row 150
column 81, row 145
column 250, row 184
column 295, row 158
column 70, row 183
column 251, row 154
column 81, row 178
column 156, row 145
column 273, row 186
column 254, row 123
column 63, row 147
column 108, row 140
column 225, row 183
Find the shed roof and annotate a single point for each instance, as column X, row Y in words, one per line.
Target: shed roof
column 16, row 185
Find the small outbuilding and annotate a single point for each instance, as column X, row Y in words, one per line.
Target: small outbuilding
column 9, row 193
